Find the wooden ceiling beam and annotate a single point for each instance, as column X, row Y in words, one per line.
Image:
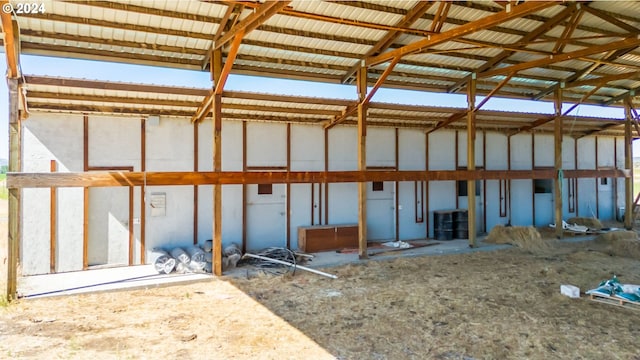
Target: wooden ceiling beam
column 523, row 42
column 580, row 74
column 387, row 41
column 455, row 117
column 547, row 119
column 468, row 28
column 11, row 41
column 440, row 16
column 354, row 107
column 115, row 86
column 569, row 28
column 631, row 92
column 342, row 21
column 223, row 26
column 248, row 24
column 603, row 80
column 623, row 44
column 611, row 19
column 235, row 35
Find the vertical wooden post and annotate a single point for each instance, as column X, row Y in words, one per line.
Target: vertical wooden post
column 397, row 185
column 575, row 166
column 362, row 162
column 195, row 187
column 471, row 157
column 557, row 153
column 597, row 180
column 244, row 188
column 15, row 198
column 326, row 185
column 85, row 208
column 508, row 190
column 131, row 235
column 628, row 165
column 484, row 181
column 52, row 222
column 217, row 189
column 85, row 230
column 216, row 69
column 456, row 155
column 143, row 209
column 288, row 189
column 426, row 197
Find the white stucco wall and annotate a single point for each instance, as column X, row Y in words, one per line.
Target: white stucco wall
column 170, row 148
column 49, row 137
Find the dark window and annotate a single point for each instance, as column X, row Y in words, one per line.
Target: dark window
column 604, row 181
column 543, row 186
column 265, row 189
column 462, row 188
column 378, row 186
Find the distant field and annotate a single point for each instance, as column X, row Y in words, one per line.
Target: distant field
column 4, row 193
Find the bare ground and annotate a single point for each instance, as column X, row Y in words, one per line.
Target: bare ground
column 494, row 305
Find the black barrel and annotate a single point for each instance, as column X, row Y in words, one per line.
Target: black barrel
column 461, row 224
column 443, row 225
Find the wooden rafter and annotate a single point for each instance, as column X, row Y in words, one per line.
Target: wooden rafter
column 468, row 28
column 539, row 31
column 606, row 60
column 603, row 80
column 354, row 107
column 411, row 17
column 11, row 42
column 631, row 92
column 623, row 44
column 440, row 16
column 342, row 21
column 567, row 33
column 261, row 14
column 225, row 24
column 547, row 119
column 611, row 19
column 455, row 117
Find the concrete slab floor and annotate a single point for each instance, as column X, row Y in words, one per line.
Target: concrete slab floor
column 145, row 276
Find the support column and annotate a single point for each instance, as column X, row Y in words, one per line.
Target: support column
column 628, row 165
column 471, row 157
column 362, row 162
column 15, row 199
column 217, row 189
column 557, row 146
column 216, row 69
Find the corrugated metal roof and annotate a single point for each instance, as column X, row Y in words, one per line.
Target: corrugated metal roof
column 312, row 40
column 71, row 95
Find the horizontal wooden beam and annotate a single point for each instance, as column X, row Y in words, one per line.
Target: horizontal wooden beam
column 468, row 28
column 125, row 178
column 246, row 25
column 623, row 44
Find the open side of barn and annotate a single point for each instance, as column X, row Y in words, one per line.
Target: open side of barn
column 101, row 173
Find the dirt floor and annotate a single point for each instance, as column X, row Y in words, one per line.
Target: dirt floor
column 488, row 305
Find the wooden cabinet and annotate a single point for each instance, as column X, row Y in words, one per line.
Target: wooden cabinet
column 327, row 237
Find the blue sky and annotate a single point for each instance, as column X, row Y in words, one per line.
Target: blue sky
column 107, row 71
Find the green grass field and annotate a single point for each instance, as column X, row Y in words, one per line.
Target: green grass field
column 4, row 193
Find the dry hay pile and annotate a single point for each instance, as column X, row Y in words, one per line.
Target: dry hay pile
column 620, row 243
column 525, row 237
column 591, row 223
